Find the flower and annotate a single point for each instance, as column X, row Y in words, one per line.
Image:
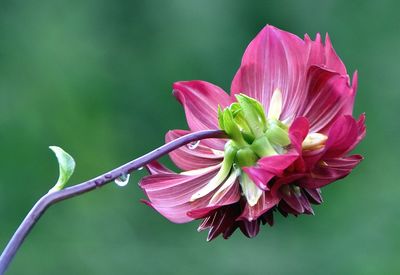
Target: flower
column 290, row 127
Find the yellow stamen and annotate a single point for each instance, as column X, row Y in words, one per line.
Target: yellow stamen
column 314, row 141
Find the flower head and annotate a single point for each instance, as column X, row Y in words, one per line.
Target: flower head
column 290, row 127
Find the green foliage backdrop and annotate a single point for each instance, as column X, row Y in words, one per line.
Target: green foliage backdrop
column 94, row 77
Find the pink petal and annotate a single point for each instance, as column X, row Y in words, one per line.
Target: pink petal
column 328, row 97
column 155, row 167
column 275, row 59
column 321, row 55
column 194, row 158
column 361, row 131
column 170, row 193
column 229, row 196
column 331, row 170
column 200, row 100
column 265, row 203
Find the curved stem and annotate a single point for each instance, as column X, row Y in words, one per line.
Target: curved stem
column 51, row 198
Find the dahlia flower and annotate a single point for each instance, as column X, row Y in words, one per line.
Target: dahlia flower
column 290, row 129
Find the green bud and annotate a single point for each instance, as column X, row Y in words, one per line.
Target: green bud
column 254, row 114
column 277, row 133
column 262, row 147
column 229, row 125
column 246, row 157
column 221, row 117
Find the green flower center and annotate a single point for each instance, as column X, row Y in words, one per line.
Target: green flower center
column 253, row 135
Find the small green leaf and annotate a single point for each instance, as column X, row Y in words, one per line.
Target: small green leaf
column 66, row 164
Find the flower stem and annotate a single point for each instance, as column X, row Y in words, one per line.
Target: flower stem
column 51, row 198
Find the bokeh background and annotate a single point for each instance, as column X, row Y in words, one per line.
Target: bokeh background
column 95, row 78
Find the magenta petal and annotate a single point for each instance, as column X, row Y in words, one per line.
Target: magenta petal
column 266, row 202
column 298, row 132
column 170, row 194
column 278, row 163
column 275, row 59
column 361, row 131
column 259, row 176
column 341, row 137
column 329, row 96
column 331, row 170
column 321, row 55
column 194, row 158
column 332, row 60
column 200, row 100
column 268, row 167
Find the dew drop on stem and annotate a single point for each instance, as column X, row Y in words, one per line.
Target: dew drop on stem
column 122, row 180
column 193, row 145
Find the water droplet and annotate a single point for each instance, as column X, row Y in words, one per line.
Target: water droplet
column 122, row 180
column 140, row 168
column 193, row 145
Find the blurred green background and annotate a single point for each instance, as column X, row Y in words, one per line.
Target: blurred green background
column 95, row 78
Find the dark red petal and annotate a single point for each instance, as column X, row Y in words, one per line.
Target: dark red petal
column 314, row 195
column 289, row 178
column 293, row 201
column 330, row 170
column 250, row 229
column 266, row 202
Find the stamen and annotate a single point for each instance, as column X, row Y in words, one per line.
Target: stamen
column 275, row 105
column 314, row 141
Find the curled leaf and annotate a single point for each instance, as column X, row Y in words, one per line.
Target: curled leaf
column 66, row 164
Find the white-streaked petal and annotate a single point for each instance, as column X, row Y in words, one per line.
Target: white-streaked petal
column 228, row 183
column 275, row 105
column 250, row 190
